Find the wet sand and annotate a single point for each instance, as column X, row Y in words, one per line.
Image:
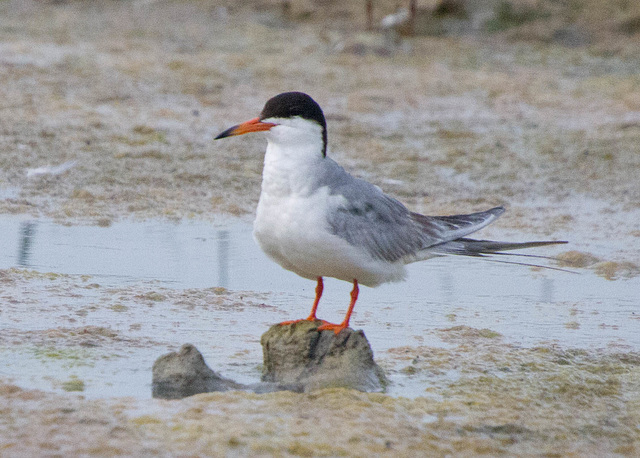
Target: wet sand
column 130, row 94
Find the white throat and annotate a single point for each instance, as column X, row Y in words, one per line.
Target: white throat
column 295, row 149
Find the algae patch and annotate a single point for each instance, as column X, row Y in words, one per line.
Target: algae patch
column 610, row 270
column 615, row 270
column 69, row 357
column 73, row 384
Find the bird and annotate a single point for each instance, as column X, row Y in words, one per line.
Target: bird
column 317, row 220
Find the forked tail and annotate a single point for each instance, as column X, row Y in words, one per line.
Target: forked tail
column 485, row 248
column 471, row 247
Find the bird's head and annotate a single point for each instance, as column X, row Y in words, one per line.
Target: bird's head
column 289, row 118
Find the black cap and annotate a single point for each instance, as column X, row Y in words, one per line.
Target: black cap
column 292, row 104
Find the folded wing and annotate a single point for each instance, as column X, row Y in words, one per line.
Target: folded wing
column 387, row 230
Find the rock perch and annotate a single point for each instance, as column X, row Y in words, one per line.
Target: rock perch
column 299, row 354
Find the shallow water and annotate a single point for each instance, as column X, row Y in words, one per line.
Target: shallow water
column 528, row 307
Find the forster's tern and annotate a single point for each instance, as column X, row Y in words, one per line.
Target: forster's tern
column 317, row 220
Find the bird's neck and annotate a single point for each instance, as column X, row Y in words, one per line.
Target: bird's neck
column 289, row 169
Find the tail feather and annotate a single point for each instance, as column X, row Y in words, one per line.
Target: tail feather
column 486, row 248
column 526, row 264
column 491, row 246
column 471, row 247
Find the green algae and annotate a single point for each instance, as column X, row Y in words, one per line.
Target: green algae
column 73, row 384
column 69, row 357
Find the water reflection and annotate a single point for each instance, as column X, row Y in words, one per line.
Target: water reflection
column 223, row 258
column 184, row 255
column 444, row 291
column 546, row 287
column 447, row 286
column 27, row 235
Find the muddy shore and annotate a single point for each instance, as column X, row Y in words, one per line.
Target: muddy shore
column 128, row 95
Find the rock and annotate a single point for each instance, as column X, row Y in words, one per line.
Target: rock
column 300, row 355
column 177, row 375
column 297, row 357
column 184, row 373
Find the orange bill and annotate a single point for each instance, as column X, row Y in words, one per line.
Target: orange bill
column 252, row 125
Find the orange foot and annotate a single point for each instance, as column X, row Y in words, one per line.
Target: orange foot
column 336, row 328
column 289, row 322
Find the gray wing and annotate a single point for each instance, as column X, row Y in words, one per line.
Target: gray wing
column 386, row 229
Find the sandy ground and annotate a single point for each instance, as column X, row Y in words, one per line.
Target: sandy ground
column 130, row 95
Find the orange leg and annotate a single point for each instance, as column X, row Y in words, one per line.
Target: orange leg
column 319, row 289
column 345, row 324
column 312, row 316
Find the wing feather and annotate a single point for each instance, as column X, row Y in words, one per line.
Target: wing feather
column 387, row 230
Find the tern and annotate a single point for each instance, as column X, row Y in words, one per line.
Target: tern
column 315, row 219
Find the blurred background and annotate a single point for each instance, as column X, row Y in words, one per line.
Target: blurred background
column 108, row 108
column 122, row 223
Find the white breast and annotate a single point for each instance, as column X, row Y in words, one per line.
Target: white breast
column 291, row 227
